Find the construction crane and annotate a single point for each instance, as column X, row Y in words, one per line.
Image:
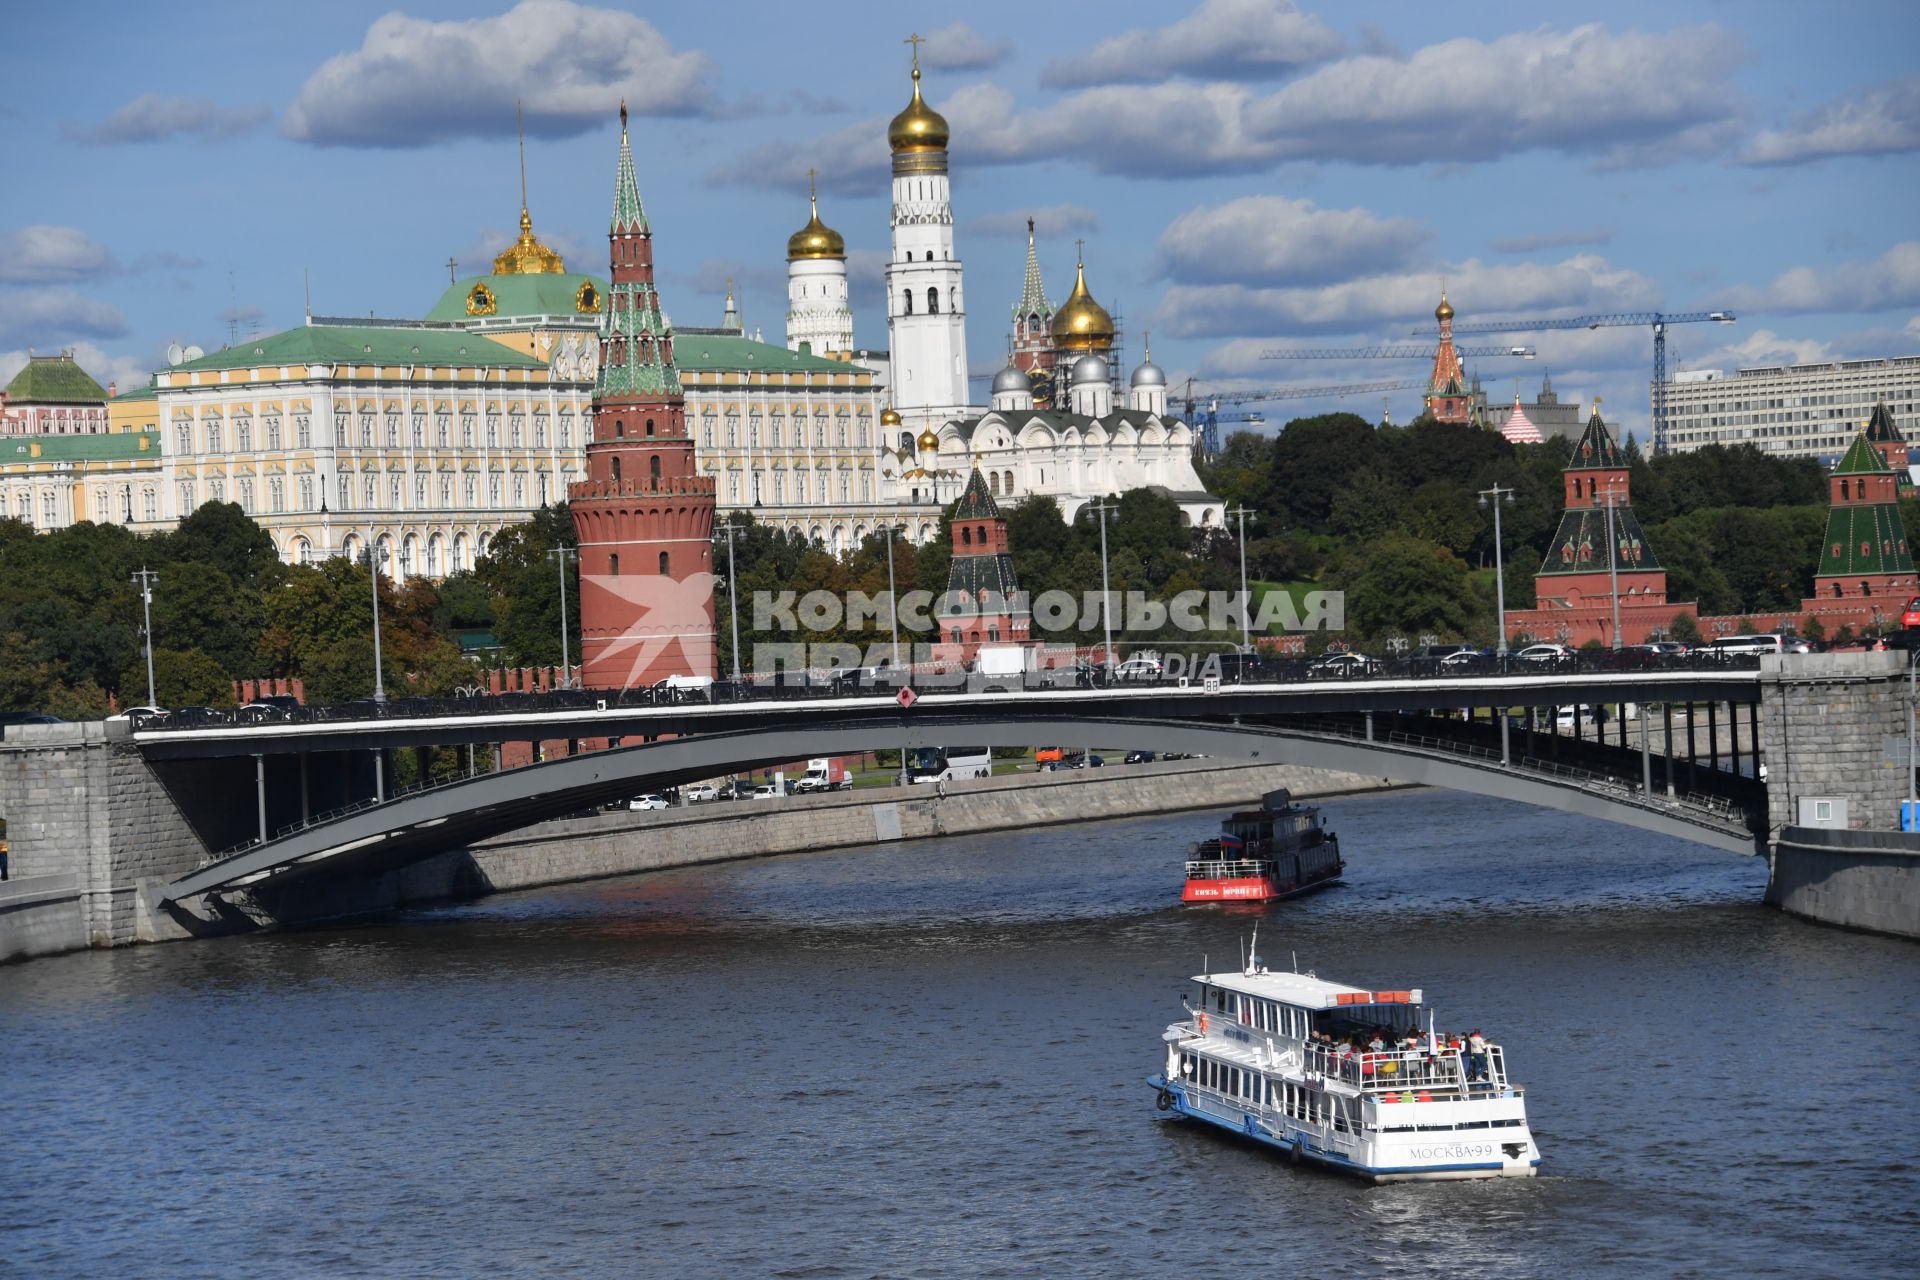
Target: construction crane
column 1210, row 425
column 1386, row 353
column 1659, row 320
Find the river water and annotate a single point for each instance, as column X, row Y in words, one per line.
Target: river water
column 928, row 1059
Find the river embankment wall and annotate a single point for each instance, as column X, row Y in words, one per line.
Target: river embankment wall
column 1867, row 880
column 616, row 844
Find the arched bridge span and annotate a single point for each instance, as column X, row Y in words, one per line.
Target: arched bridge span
column 420, row 824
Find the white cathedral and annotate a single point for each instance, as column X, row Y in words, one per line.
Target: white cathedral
column 1053, row 426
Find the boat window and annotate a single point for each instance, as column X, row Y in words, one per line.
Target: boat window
column 1220, row 999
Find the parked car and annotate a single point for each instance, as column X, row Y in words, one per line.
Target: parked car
column 768, row 791
column 1743, row 646
column 1084, row 761
column 1138, row 669
column 1342, row 666
column 700, row 793
column 652, row 800
column 1235, row 668
column 1081, row 675
column 1139, row 757
column 1546, row 654
column 1440, row 652
column 1464, row 659
column 260, row 713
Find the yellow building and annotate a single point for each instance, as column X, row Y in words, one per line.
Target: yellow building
column 52, row 481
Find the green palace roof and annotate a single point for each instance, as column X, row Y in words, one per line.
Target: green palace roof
column 548, row 293
column 55, row 380
column 120, row 446
column 705, row 352
column 348, row 344
column 148, row 392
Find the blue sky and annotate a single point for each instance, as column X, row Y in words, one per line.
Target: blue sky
column 1245, row 172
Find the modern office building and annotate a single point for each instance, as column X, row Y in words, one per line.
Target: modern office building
column 1793, row 411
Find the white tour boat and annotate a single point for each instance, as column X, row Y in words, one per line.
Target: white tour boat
column 1288, row 1059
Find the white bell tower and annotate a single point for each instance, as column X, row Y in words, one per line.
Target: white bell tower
column 926, row 306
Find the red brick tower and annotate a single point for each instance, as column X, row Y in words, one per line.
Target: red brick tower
column 643, row 517
column 1865, row 557
column 983, row 605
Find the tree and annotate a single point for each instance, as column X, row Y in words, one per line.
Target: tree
column 1399, row 585
column 1684, row 629
column 182, row 678
column 1314, row 459
column 523, row 584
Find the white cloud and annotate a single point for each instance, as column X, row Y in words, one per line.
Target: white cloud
column 1762, row 346
column 414, row 82
column 958, row 47
column 1272, row 240
column 1878, row 284
column 1622, row 99
column 1882, row 121
column 47, row 317
column 44, row 253
column 1231, row 39
column 1404, row 299
column 154, row 117
column 1049, row 220
column 1551, row 240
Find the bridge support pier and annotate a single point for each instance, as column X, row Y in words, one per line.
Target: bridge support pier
column 1369, row 726
column 1506, row 749
column 1666, row 715
column 1713, row 736
column 379, row 774
column 260, row 792
column 1646, row 756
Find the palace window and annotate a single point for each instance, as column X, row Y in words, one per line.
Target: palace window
column 243, row 433
column 519, row 490
column 493, row 489
column 515, row 424
column 276, row 494
column 306, row 493
column 343, row 493
column 540, row 428
column 446, row 492
column 418, row 422
column 393, row 428
column 566, row 429
column 183, row 438
column 213, row 435
column 442, row 428
column 419, row 493
column 273, row 431
column 339, row 428
column 303, row 431
column 395, row 493
column 466, row 430
column 468, row 490
column 186, row 497
column 366, row 430
column 246, row 494
column 493, row 428
column 372, row 491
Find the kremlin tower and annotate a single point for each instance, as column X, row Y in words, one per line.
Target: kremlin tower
column 926, row 312
column 643, row 518
column 1033, row 352
column 1447, row 398
column 983, row 605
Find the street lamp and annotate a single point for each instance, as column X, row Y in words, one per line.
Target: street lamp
column 1613, row 561
column 1500, row 497
column 1241, row 513
column 728, row 528
column 146, row 578
column 1101, row 511
column 893, row 598
column 559, row 556
column 373, row 581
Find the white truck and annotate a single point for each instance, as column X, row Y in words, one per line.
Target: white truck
column 824, row 773
column 1000, row 667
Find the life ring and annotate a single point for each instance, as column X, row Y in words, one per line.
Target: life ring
column 1165, row 1100
column 1203, row 1024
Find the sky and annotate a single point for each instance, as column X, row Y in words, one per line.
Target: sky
column 1246, row 174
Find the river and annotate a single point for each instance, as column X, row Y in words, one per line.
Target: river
column 928, row 1059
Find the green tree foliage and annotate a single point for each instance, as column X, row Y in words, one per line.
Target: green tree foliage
column 181, row 678
column 523, row 585
column 1684, row 629
column 1400, row 585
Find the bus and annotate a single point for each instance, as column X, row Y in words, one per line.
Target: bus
column 949, row 764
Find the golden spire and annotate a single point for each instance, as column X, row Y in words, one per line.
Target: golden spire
column 527, row 256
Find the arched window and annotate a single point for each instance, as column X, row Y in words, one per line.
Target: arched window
column 933, row 302
column 906, row 299
column 653, row 467
column 966, row 536
column 929, row 255
column 993, row 482
column 663, row 564
column 613, row 565
column 616, row 470
column 649, row 426
column 1006, row 484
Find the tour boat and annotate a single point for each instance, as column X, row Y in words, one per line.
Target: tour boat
column 1276, row 851
column 1272, row 1057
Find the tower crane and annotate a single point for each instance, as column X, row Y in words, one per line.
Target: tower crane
column 1386, row 353
column 1658, row 319
column 1210, row 426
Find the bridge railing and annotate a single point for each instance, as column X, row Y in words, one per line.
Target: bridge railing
column 802, row 686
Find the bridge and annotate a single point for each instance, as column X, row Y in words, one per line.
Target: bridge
column 1406, row 729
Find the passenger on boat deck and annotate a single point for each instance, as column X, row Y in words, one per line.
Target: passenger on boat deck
column 1376, row 1044
column 1476, row 1056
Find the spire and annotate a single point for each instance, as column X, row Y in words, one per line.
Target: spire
column 520, row 126
column 1596, row 449
column 1033, row 294
column 629, row 215
column 730, row 319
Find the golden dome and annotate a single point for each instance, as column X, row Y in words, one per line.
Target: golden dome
column 889, row 417
column 1445, row 310
column 919, row 127
column 816, row 239
column 1081, row 324
column 527, row 256
column 928, row 440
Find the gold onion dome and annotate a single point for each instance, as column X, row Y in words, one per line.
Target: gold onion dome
column 928, row 440
column 889, row 417
column 816, row 239
column 919, row 127
column 1445, row 310
column 1081, row 324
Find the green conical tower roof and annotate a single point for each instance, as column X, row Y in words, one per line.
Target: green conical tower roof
column 976, row 503
column 1595, row 447
column 636, row 343
column 1862, row 459
column 1033, row 294
column 629, row 214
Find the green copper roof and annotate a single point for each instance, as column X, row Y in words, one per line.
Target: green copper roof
column 347, row 344
column 976, row 503
column 1033, row 295
column 731, row 353
column 1862, row 459
column 535, row 294
column 148, row 392
column 628, row 213
column 1595, row 448
column 1580, row 544
column 55, row 380
column 106, row 447
column 1868, row 539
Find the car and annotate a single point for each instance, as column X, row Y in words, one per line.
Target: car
column 1138, row 669
column 767, row 791
column 1661, row 649
column 1053, row 766
column 1139, row 757
column 1747, row 646
column 1340, row 666
column 1463, row 659
column 1439, row 652
column 1234, row 668
column 700, row 793
column 1546, row 654
column 652, row 800
column 1080, row 675
column 1082, row 762
column 261, row 712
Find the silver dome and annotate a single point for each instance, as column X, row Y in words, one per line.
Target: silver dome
column 1010, row 379
column 1149, row 375
column 1089, row 368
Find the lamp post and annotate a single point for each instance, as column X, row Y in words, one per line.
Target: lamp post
column 559, row 556
column 1241, row 513
column 893, row 598
column 1101, row 510
column 373, row 581
column 727, row 528
column 146, row 578
column 1613, row 563
column 1498, row 497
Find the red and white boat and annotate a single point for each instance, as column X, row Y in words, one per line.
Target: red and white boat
column 1279, row 850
